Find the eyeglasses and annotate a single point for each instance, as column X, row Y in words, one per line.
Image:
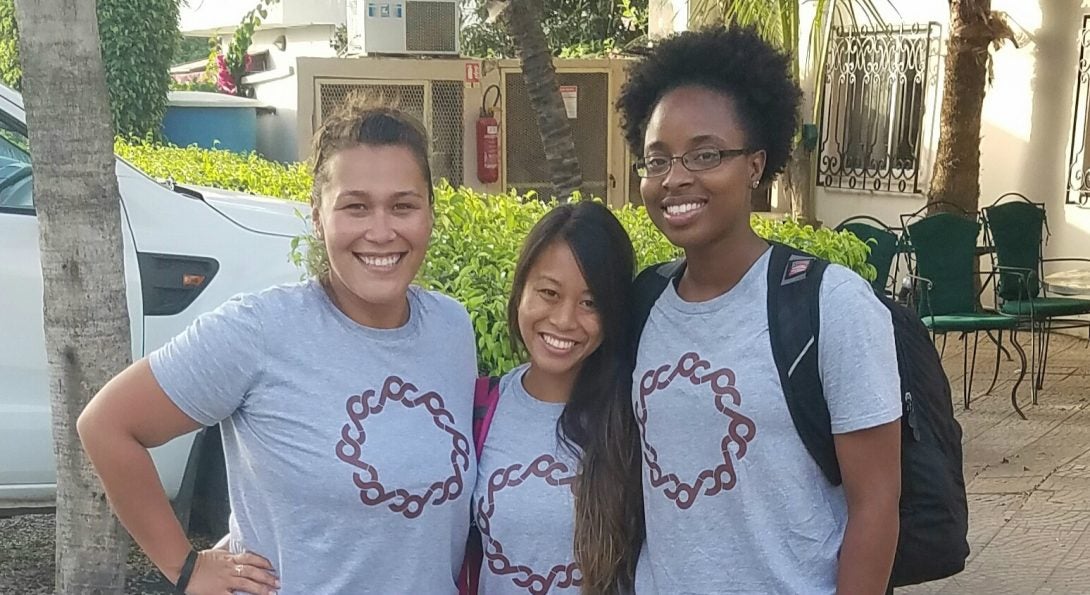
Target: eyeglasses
column 695, row 160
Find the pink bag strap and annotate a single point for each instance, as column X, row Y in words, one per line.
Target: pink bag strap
column 486, row 395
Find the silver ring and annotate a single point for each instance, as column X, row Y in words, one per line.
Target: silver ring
column 238, row 571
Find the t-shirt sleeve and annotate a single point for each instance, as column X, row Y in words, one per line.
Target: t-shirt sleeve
column 857, row 356
column 208, row 370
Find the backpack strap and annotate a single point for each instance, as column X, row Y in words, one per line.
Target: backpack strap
column 486, row 394
column 794, row 291
column 794, row 319
column 646, row 289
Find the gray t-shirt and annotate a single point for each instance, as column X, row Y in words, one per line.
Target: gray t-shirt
column 523, row 503
column 734, row 502
column 348, row 456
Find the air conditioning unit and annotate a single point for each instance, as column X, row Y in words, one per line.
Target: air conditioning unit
column 392, row 27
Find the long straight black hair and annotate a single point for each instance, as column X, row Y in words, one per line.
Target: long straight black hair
column 597, row 424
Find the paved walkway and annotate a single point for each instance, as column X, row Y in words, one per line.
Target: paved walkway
column 1028, row 481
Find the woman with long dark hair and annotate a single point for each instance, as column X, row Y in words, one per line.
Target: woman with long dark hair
column 568, row 311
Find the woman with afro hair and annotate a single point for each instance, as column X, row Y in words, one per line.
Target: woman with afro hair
column 734, row 502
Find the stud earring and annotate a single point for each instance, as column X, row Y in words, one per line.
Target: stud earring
column 755, row 183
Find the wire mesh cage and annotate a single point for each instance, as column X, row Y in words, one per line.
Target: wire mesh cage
column 438, row 105
column 526, row 165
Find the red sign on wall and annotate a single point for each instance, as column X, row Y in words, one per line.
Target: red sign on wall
column 473, row 72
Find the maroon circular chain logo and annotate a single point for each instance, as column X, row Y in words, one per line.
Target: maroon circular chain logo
column 353, row 436
column 556, row 474
column 740, row 429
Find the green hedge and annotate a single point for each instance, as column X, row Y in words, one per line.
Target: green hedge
column 476, row 239
column 138, row 44
column 11, row 72
column 139, row 40
column 220, row 169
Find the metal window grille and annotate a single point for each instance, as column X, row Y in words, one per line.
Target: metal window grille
column 526, row 166
column 877, row 87
column 438, row 105
column 1078, row 166
column 447, row 131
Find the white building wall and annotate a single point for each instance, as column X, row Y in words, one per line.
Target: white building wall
column 667, row 16
column 1027, row 118
column 1026, row 123
column 312, row 41
column 277, row 132
column 210, row 17
column 277, row 136
column 1028, row 114
column 314, row 12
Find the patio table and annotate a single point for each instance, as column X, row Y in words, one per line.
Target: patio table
column 1072, row 282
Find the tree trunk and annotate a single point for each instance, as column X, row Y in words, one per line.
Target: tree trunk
column 957, row 162
column 79, row 216
column 523, row 23
column 797, row 183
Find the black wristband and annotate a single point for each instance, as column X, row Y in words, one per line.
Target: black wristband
column 187, row 572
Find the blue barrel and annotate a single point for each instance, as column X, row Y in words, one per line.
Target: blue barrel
column 211, row 120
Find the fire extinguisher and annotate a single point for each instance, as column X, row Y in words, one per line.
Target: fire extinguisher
column 488, row 139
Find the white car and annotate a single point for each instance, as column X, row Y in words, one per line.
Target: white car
column 186, row 252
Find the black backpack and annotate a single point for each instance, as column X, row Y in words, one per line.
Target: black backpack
column 934, row 511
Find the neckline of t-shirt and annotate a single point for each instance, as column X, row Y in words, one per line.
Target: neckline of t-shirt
column 406, row 331
column 515, row 384
column 757, row 271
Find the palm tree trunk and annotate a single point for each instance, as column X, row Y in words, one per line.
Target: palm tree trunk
column 797, row 183
column 957, row 162
column 79, row 216
column 523, row 22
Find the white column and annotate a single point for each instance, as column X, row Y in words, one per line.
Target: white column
column 666, row 17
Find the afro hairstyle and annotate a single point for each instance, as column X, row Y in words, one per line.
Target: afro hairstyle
column 733, row 60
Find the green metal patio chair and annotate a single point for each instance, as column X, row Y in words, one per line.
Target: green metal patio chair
column 944, row 257
column 884, row 242
column 1018, row 228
